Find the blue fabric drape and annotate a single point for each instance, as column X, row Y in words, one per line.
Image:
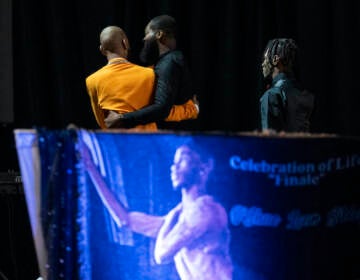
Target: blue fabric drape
column 58, row 211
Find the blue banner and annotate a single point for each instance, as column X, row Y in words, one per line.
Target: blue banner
column 199, row 206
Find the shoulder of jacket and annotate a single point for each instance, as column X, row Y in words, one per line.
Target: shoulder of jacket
column 175, row 56
column 273, row 90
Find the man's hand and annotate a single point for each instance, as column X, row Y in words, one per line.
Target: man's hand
column 113, row 120
column 196, row 102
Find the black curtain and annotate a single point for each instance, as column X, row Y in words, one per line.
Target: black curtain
column 56, row 47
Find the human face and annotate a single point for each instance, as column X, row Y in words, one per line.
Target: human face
column 149, row 32
column 185, row 170
column 267, row 67
column 150, row 51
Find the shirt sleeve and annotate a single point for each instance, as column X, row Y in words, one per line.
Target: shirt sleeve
column 98, row 112
column 184, row 111
column 276, row 114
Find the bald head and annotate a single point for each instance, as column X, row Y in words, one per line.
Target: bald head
column 114, row 40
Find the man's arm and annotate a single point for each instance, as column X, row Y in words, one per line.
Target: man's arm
column 179, row 231
column 168, row 78
column 186, row 111
column 276, row 116
column 142, row 223
column 116, row 209
column 98, row 112
column 145, row 224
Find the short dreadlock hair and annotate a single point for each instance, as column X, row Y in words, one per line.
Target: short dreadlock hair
column 286, row 49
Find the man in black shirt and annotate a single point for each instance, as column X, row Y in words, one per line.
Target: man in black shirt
column 173, row 86
column 284, row 106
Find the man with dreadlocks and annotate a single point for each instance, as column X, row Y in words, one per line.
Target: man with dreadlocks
column 284, row 106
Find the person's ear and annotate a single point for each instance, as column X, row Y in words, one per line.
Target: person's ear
column 159, row 34
column 102, row 50
column 125, row 44
column 275, row 60
column 207, row 167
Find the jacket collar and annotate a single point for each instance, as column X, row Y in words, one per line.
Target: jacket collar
column 278, row 77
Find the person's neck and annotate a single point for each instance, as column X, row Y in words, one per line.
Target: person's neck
column 275, row 72
column 189, row 195
column 111, row 56
column 166, row 47
column 163, row 49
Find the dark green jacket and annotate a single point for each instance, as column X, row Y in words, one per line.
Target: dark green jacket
column 285, row 107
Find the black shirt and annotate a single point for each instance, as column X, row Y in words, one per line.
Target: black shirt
column 285, row 106
column 172, row 87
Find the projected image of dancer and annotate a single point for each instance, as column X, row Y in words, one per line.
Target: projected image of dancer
column 195, row 233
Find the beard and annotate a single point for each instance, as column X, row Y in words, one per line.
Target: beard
column 150, row 52
column 267, row 69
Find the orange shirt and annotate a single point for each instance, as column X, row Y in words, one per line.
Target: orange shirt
column 120, row 86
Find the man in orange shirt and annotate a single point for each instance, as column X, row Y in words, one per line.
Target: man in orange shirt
column 120, row 86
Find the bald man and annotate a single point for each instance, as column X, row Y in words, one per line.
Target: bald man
column 120, row 86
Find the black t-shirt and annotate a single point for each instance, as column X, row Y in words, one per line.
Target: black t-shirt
column 172, row 87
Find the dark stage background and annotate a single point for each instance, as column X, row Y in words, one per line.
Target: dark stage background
column 55, row 46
